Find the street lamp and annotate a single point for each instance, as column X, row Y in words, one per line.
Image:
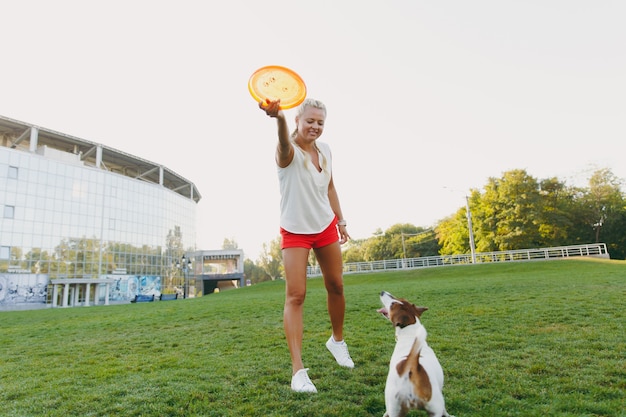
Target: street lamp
column 469, row 227
column 185, row 264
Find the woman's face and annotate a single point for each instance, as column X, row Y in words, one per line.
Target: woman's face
column 311, row 123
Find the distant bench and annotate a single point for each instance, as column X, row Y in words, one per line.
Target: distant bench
column 142, row 298
column 168, row 297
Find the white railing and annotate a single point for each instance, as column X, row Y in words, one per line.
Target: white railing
column 597, row 250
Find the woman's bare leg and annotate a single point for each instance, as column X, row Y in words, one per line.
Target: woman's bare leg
column 330, row 261
column 295, row 261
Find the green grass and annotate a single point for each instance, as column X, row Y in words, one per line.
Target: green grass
column 517, row 339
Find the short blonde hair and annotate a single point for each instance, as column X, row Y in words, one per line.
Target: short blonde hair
column 313, row 103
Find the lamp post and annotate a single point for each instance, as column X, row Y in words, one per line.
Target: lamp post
column 469, row 226
column 185, row 264
column 470, row 229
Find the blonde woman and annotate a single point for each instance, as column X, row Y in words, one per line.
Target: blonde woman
column 310, row 218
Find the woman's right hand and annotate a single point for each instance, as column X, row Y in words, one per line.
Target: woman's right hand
column 271, row 107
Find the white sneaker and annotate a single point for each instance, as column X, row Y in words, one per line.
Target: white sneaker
column 301, row 382
column 340, row 352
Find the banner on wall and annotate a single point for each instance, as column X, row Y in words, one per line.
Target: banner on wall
column 32, row 288
column 126, row 287
column 23, row 288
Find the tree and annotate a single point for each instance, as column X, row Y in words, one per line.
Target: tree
column 353, row 251
column 254, row 272
column 557, row 207
column 514, row 212
column 377, row 247
column 603, row 200
column 230, row 244
column 271, row 259
column 519, row 212
column 614, row 231
column 601, row 213
column 507, row 215
column 419, row 244
column 398, row 241
column 453, row 233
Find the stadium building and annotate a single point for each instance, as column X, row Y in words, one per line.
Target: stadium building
column 83, row 223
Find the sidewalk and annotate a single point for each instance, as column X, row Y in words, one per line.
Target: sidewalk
column 41, row 306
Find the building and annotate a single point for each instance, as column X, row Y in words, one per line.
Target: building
column 215, row 270
column 75, row 209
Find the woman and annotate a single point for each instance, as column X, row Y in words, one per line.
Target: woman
column 310, row 218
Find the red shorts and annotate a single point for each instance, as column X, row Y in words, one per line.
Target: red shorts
column 313, row 241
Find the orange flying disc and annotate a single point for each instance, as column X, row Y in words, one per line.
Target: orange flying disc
column 274, row 82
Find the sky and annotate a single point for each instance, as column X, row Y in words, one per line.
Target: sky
column 426, row 99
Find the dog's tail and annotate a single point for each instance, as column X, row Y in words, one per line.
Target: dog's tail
column 411, row 363
column 416, row 372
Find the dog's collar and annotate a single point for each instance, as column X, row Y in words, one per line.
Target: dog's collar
column 400, row 329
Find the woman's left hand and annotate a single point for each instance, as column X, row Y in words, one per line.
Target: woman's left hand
column 343, row 233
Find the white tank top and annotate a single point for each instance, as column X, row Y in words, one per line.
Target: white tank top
column 304, row 204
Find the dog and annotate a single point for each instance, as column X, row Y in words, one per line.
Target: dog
column 415, row 378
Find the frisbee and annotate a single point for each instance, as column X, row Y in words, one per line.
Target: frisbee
column 275, row 82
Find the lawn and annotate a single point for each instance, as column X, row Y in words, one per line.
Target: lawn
column 515, row 339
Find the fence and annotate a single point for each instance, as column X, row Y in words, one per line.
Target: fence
column 597, row 250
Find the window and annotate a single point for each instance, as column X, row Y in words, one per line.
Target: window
column 12, row 173
column 5, row 252
column 9, row 212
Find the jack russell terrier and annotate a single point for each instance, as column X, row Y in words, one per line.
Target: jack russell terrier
column 415, row 378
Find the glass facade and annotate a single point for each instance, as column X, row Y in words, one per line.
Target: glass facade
column 63, row 218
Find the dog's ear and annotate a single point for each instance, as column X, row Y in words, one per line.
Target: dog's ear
column 419, row 310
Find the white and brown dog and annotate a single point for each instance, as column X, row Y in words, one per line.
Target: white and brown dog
column 415, row 378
